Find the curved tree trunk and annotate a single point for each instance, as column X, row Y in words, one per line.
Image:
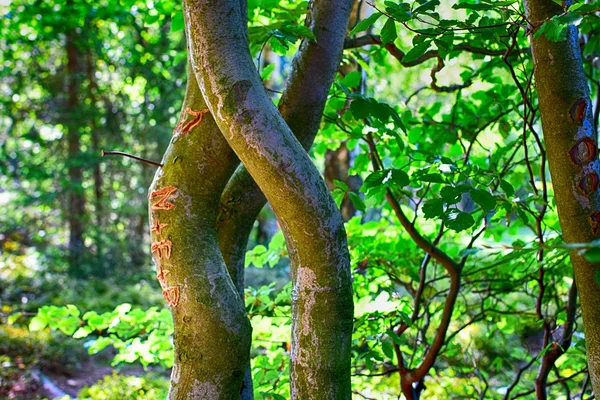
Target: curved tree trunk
column 322, row 292
column 301, row 105
column 572, row 150
column 212, row 333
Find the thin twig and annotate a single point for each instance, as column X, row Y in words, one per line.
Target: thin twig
column 120, row 153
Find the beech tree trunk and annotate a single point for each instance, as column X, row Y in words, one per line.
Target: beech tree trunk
column 572, row 150
column 322, row 292
column 212, row 333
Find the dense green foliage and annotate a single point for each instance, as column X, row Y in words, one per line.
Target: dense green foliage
column 440, row 116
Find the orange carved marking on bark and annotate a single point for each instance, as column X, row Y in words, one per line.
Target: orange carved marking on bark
column 162, row 249
column 191, row 124
column 157, row 227
column 578, row 111
column 162, row 273
column 589, row 183
column 171, row 296
column 583, row 151
column 162, row 203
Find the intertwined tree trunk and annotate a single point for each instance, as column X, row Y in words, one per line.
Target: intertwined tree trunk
column 212, row 334
column 322, row 290
column 572, row 150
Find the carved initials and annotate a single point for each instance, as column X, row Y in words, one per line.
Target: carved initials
column 162, row 203
column 162, row 273
column 157, row 226
column 193, row 123
column 171, row 296
column 162, row 249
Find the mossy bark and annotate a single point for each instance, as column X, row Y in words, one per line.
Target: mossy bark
column 313, row 70
column 322, row 304
column 572, row 151
column 212, row 333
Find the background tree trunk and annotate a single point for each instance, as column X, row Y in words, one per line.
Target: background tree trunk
column 76, row 197
column 572, row 150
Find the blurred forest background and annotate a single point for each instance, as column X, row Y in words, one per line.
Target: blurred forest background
column 434, row 101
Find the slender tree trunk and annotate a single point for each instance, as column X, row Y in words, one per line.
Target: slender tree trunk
column 98, row 193
column 76, row 198
column 212, row 333
column 322, row 291
column 572, row 150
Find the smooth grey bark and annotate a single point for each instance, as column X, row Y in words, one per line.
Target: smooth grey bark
column 212, row 333
column 322, row 304
column 572, row 149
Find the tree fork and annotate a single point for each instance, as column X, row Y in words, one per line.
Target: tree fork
column 212, row 333
column 322, row 304
column 571, row 143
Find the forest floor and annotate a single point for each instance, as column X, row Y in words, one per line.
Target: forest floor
column 89, row 374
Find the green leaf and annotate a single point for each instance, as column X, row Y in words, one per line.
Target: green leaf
column 483, row 198
column 507, row 187
column 182, row 55
column 398, row 178
column 400, row 12
column 357, row 201
column 341, row 185
column 374, row 180
column 99, row 344
column 433, row 208
column 593, row 255
column 453, row 194
column 177, row 23
column 265, row 74
column 82, row 332
column 472, row 6
column 338, row 197
column 352, row 80
column 37, row 324
column 553, row 30
column 416, row 52
column 388, row 349
column 365, row 24
column 432, row 178
column 303, row 31
column 152, row 18
column 13, row 318
column 458, row 220
column 388, row 32
column 427, row 6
